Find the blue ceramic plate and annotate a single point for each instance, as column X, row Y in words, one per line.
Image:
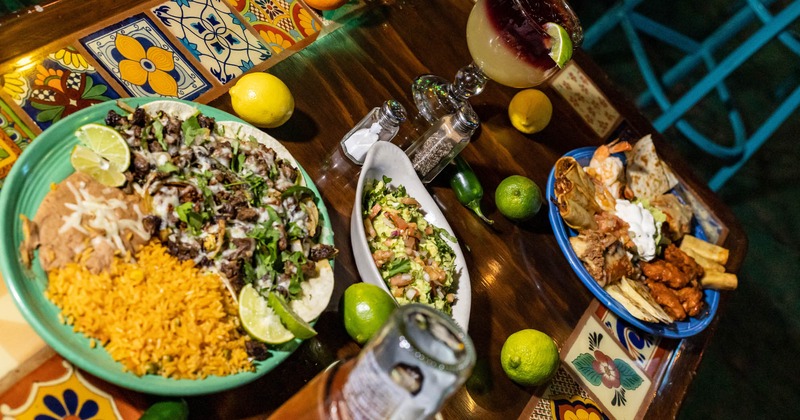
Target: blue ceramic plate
column 680, row 329
column 47, row 161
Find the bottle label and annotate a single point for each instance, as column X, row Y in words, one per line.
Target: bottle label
column 370, row 392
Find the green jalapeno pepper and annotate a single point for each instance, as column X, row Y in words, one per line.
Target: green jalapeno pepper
column 467, row 187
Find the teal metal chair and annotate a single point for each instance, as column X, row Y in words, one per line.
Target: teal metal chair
column 775, row 26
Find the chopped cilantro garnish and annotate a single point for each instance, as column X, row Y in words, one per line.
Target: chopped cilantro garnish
column 158, row 133
column 191, row 131
column 193, row 219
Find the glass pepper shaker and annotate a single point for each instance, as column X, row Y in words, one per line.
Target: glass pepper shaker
column 442, row 142
column 380, row 124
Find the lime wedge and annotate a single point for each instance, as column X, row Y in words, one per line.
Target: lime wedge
column 301, row 329
column 107, row 143
column 561, row 48
column 259, row 320
column 87, row 161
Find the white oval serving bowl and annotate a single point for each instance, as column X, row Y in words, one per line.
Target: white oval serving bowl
column 386, row 159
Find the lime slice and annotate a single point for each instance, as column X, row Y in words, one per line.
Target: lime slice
column 87, row 161
column 259, row 320
column 107, row 143
column 561, row 48
column 291, row 320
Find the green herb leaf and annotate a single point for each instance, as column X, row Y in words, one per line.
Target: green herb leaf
column 191, row 130
column 193, row 219
column 169, row 168
column 158, row 133
column 299, row 192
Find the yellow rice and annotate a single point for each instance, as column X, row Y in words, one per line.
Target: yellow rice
column 156, row 316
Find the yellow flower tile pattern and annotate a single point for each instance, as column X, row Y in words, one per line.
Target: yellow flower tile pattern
column 280, row 23
column 136, row 53
column 55, row 86
column 564, row 399
column 62, row 392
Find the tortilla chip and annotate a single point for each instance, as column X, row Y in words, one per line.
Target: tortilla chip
column 647, row 175
column 615, row 290
column 636, row 298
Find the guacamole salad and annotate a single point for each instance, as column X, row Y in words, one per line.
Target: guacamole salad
column 412, row 255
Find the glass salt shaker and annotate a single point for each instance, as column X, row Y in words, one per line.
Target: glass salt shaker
column 442, row 142
column 380, row 124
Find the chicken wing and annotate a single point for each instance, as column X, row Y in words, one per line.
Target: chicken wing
column 668, row 300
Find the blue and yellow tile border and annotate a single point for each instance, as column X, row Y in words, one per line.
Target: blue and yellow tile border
column 157, row 48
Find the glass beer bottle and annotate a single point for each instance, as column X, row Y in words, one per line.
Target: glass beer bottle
column 407, row 371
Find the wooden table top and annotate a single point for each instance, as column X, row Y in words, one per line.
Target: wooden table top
column 520, row 278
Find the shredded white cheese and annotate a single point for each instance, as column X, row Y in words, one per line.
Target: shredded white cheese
column 101, row 217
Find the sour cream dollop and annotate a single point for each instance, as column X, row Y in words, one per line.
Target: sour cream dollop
column 643, row 227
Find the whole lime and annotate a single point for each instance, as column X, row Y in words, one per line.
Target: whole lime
column 518, row 198
column 529, row 357
column 262, row 99
column 366, row 308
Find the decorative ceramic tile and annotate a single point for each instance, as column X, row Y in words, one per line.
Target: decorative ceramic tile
column 587, row 100
column 10, row 123
column 614, row 370
column 9, row 153
column 141, row 58
column 563, row 399
column 58, row 85
column 214, row 35
column 651, row 353
column 57, row 390
column 280, row 23
column 607, row 372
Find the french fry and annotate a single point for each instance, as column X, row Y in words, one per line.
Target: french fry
column 719, row 281
column 708, row 250
column 704, row 262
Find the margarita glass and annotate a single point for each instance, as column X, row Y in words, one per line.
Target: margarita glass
column 517, row 43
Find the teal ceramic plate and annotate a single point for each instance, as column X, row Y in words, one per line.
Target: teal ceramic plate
column 44, row 162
